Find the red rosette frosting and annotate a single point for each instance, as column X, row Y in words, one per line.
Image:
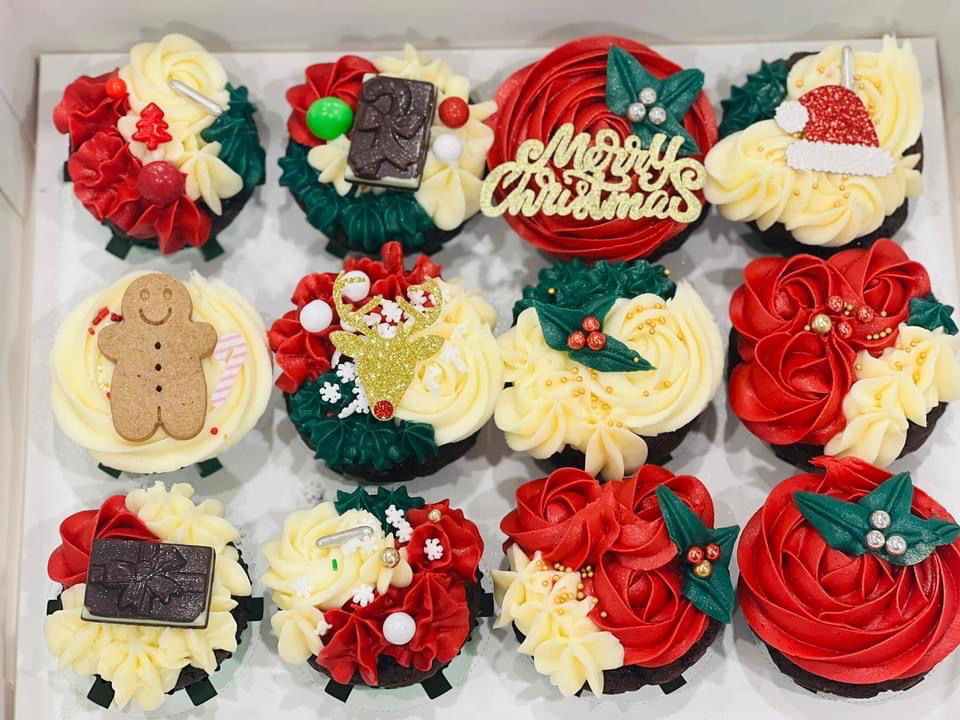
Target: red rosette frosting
column 856, row 620
column 304, row 356
column 569, row 86
column 789, row 387
column 341, row 79
column 86, row 108
column 68, row 563
column 461, row 541
column 618, row 529
column 353, row 643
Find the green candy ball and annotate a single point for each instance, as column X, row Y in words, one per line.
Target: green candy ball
column 329, row 117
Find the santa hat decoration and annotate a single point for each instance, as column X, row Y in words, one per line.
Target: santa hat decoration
column 838, row 135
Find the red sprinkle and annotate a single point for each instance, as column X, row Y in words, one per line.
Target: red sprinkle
column 108, row 394
column 214, row 431
column 91, row 331
column 101, row 314
column 115, row 317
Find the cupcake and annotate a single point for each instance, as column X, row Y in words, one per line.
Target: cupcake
column 598, row 149
column 608, row 366
column 618, row 585
column 376, row 589
column 155, row 597
column 383, row 150
column 164, row 151
column 852, row 355
column 850, row 577
column 151, row 375
column 820, row 151
column 388, row 373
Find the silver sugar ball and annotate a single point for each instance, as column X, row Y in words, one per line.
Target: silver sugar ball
column 880, row 519
column 636, row 112
column 657, row 115
column 648, row 96
column 896, row 545
column 875, row 540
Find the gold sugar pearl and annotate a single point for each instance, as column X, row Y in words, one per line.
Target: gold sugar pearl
column 551, row 291
column 608, row 389
column 559, row 611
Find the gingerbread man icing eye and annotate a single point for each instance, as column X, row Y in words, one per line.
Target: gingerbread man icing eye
column 167, row 293
column 144, row 294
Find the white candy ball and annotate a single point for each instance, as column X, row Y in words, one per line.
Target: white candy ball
column 447, row 148
column 357, row 291
column 399, row 628
column 316, row 316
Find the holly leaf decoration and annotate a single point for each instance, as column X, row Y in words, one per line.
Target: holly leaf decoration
column 152, row 128
column 713, row 595
column 377, row 504
column 236, row 132
column 557, row 323
column 844, row 525
column 927, row 312
column 757, row 99
column 676, row 93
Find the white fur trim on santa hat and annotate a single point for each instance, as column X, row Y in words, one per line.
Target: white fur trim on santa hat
column 791, row 116
column 839, row 158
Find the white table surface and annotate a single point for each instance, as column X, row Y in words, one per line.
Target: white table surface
column 271, row 473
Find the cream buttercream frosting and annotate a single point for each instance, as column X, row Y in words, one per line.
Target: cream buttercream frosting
column 81, row 375
column 449, row 192
column 555, row 402
column 143, row 663
column 147, row 76
column 566, row 645
column 901, row 386
column 749, row 180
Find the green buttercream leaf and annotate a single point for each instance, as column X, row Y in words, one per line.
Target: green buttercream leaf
column 236, row 132
column 844, row 525
column 626, row 77
column 557, row 323
column 417, row 439
column 377, row 503
column 712, row 595
column 615, row 357
column 755, row 100
column 576, row 284
column 927, row 312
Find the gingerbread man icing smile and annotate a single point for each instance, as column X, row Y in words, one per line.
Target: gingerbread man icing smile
column 158, row 380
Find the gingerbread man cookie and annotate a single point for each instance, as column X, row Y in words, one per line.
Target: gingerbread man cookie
column 158, row 380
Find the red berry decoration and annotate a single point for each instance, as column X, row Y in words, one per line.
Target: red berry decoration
column 454, row 112
column 865, row 313
column 160, row 183
column 152, row 128
column 835, row 303
column 713, row 552
column 590, row 323
column 116, row 87
column 576, row 340
column 383, row 410
column 695, row 555
column 844, row 329
column 596, row 341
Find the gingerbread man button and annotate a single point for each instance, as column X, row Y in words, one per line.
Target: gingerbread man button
column 158, row 380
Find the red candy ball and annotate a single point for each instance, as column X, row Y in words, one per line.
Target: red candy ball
column 713, row 552
column 865, row 313
column 160, row 183
column 383, row 410
column 454, row 112
column 835, row 303
column 596, row 341
column 590, row 323
column 695, row 555
column 844, row 329
column 116, row 87
column 576, row 340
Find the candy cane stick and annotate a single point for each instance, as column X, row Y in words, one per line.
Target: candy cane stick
column 232, row 350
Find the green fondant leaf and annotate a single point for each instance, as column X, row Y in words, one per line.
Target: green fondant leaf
column 927, row 312
column 236, row 132
column 713, row 595
column 679, row 91
column 755, row 100
column 624, row 77
column 557, row 323
column 895, row 496
column 615, row 357
column 683, row 526
column 842, row 525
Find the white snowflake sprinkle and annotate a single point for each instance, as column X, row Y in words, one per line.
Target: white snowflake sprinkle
column 391, row 311
column 433, row 549
column 394, row 515
column 450, row 355
column 430, row 378
column 404, row 532
column 329, row 392
column 417, row 297
column 371, row 319
column 363, row 595
column 387, row 331
column 346, row 326
column 323, row 627
column 346, row 371
column 302, row 587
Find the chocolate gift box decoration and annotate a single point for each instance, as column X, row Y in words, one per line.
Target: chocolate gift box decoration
column 148, row 583
column 391, row 134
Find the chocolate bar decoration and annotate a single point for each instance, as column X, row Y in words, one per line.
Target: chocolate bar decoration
column 391, row 133
column 132, row 582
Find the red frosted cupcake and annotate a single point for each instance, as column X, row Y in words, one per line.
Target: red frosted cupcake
column 850, row 577
column 623, row 96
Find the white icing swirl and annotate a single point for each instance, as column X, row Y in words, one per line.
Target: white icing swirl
column 80, row 380
column 555, row 402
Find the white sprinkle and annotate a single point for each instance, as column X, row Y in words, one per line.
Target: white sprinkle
column 433, row 549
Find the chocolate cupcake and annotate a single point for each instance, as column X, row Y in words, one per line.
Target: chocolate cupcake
column 852, row 355
column 820, row 151
column 849, row 576
column 151, row 375
column 380, row 590
column 386, row 150
column 388, row 373
column 608, row 366
column 598, row 151
column 155, row 597
column 618, row 585
column 164, row 151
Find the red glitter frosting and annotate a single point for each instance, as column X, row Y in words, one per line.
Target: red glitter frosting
column 856, row 620
column 569, row 86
